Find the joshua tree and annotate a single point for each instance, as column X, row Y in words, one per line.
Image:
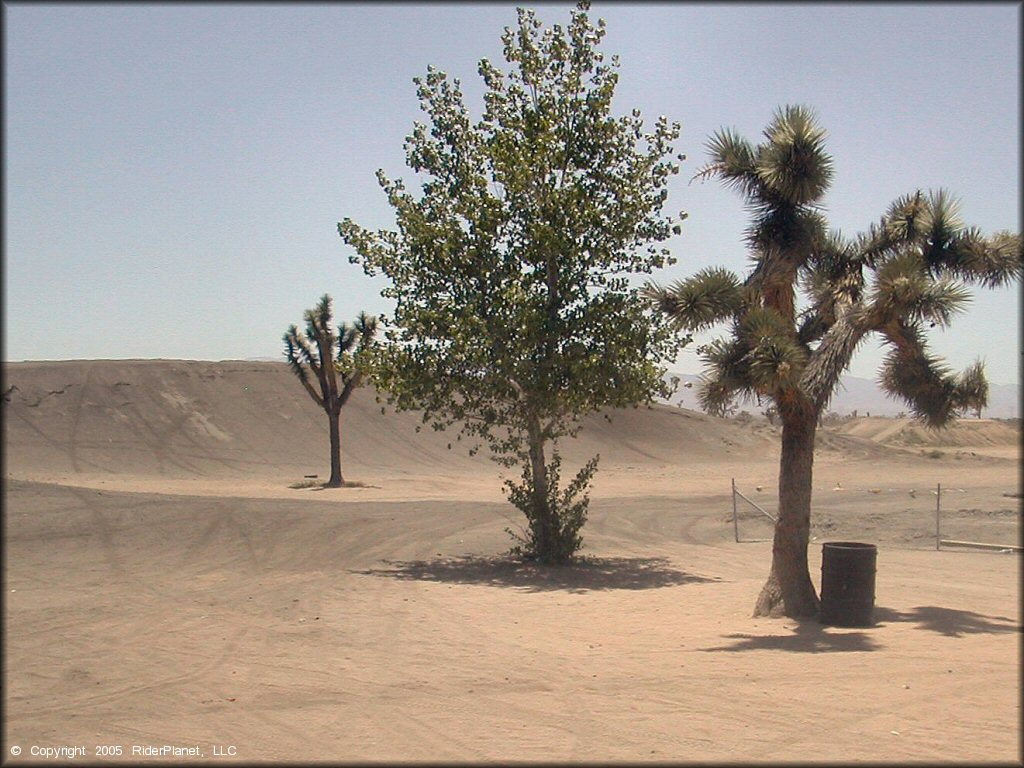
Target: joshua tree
column 336, row 366
column 908, row 271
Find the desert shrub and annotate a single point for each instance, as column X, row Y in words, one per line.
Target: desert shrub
column 553, row 530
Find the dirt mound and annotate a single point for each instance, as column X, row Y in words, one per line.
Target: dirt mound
column 905, row 432
column 189, row 419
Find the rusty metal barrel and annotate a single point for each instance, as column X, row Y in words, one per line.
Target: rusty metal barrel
column 848, row 583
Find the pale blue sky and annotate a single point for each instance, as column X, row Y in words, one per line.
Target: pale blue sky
column 175, row 173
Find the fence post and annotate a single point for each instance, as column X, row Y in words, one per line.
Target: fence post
column 938, row 512
column 735, row 521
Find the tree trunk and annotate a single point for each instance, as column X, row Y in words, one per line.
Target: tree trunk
column 336, row 480
column 544, row 526
column 789, row 590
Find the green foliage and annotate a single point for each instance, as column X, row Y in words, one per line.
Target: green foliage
column 934, row 394
column 792, row 164
column 909, row 270
column 705, row 299
column 554, row 519
column 904, row 287
column 930, row 226
column 331, row 358
column 514, row 309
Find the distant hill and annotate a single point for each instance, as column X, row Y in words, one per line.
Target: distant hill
column 865, row 397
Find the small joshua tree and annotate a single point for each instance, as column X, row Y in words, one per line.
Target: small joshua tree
column 337, row 364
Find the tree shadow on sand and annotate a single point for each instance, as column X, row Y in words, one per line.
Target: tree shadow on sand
column 808, row 636
column 590, row 574
column 950, row 622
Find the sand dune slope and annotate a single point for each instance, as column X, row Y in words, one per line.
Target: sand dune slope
column 185, row 424
column 184, row 418
column 992, row 437
column 165, row 586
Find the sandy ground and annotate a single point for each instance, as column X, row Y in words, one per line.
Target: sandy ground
column 164, row 585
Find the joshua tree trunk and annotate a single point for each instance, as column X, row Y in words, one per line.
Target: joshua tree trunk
column 789, row 590
column 334, row 417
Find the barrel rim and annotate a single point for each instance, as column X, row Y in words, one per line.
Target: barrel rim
column 849, row 545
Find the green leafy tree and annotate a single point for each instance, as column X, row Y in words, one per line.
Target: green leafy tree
column 812, row 297
column 337, row 364
column 514, row 309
